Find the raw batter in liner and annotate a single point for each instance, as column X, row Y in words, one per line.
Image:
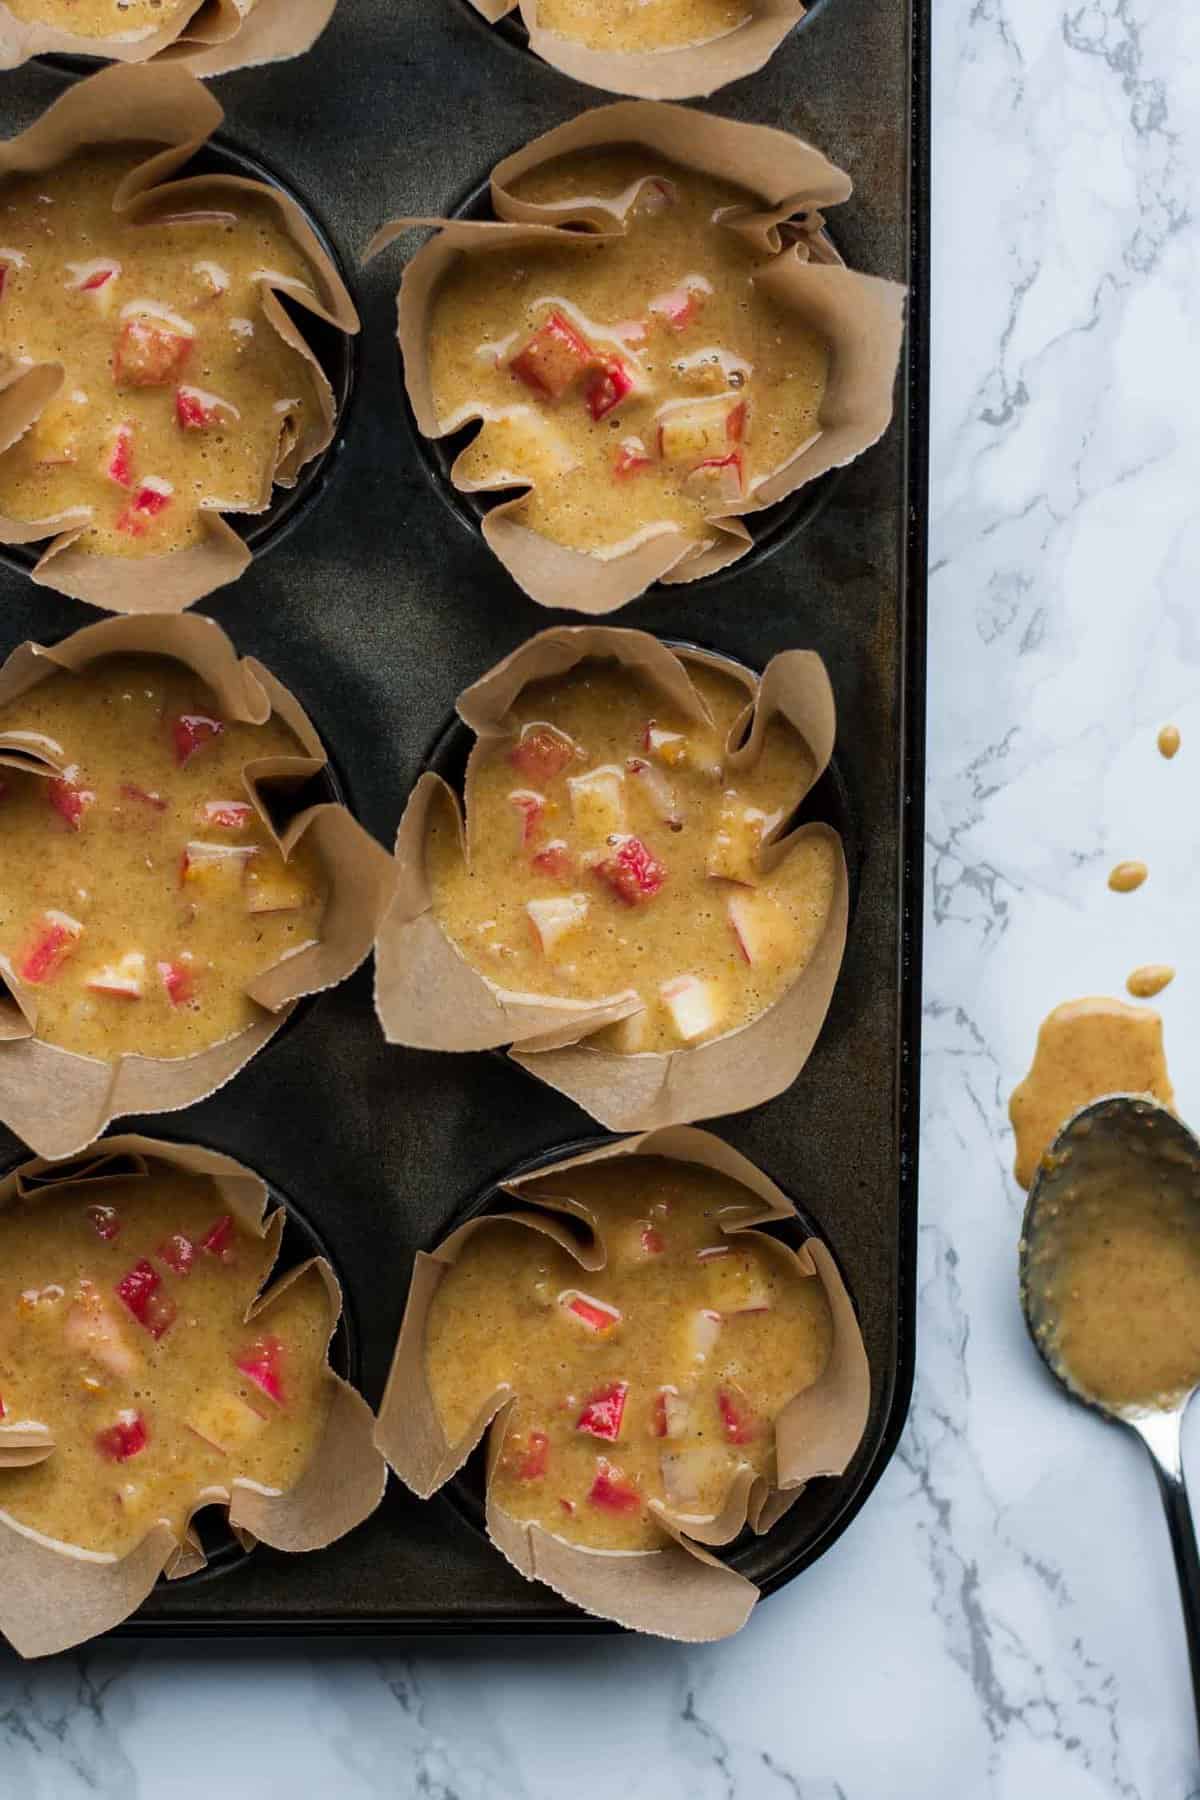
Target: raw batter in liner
column 141, row 892
column 177, row 393
column 632, row 25
column 659, row 1382
column 607, row 852
column 638, row 382
column 122, row 1309
column 107, row 18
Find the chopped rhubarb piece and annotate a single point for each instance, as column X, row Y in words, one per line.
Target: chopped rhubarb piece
column 691, row 432
column 56, row 435
column 225, row 815
column 98, row 275
column 271, row 886
column 681, row 305
column 735, row 1280
column 138, row 1290
column 611, row 1491
column 631, row 458
column 655, row 195
column 632, row 872
column 762, row 930
column 542, row 752
column 568, row 1506
column 143, row 796
column 196, row 410
column 551, row 920
column 737, row 1419
column 262, row 1363
column 90, row 1329
column 214, row 279
column 598, row 802
column 651, row 1241
column 554, row 357
column 218, row 1239
column 594, row 1315
column 611, row 383
column 734, row 852
column 719, row 480
column 691, row 1004
column 533, row 1462
column 152, row 498
column 2, row 1412
column 657, row 789
column 149, row 353
column 192, row 732
column 702, row 1331
column 179, row 980
column 556, row 861
column 689, row 1474
column 178, row 1252
column 105, row 1221
column 124, row 979
column 225, row 1422
column 670, row 747
column 217, row 868
column 603, row 1411
column 671, row 1413
column 128, row 1437
column 530, row 809
column 118, row 459
column 69, row 799
column 57, row 935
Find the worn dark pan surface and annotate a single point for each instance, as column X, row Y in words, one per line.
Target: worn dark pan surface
column 378, row 609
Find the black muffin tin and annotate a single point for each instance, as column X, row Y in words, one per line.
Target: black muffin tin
column 376, row 612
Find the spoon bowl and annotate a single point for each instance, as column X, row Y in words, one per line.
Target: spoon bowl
column 1124, row 1150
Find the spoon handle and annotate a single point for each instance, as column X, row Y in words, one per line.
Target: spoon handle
column 1162, row 1437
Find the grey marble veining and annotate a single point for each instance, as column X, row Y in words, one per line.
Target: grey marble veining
column 1001, row 1621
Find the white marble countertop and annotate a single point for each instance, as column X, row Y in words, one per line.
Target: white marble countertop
column 1001, row 1621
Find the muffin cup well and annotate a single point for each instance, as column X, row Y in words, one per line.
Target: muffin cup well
column 681, row 1591
column 428, row 997
column 208, row 37
column 859, row 316
column 54, row 1595
column 58, row 1101
column 169, row 107
column 686, row 72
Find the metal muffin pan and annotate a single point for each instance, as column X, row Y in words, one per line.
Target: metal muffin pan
column 334, row 350
column 378, row 616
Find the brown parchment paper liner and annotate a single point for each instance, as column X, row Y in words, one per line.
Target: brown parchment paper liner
column 685, row 73
column 429, row 997
column 53, row 1595
column 59, row 1101
column 209, row 37
column 680, row 1591
column 168, row 106
column 860, row 317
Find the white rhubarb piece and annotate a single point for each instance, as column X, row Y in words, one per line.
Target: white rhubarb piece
column 734, row 852
column 225, row 1422
column 651, row 782
column 125, row 979
column 598, row 802
column 90, row 1329
column 552, row 919
column 701, row 1332
column 735, row 1280
column 691, row 432
column 762, row 930
column 691, row 1004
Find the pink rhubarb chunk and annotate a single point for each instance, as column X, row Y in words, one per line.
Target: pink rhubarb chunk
column 118, row 462
column 151, row 499
column 552, row 359
column 737, row 1419
column 124, row 979
column 594, row 1315
column 530, row 808
column 631, row 458
column 55, row 940
column 533, row 1462
column 541, row 752
column 178, row 1252
column 149, row 353
column 69, row 799
column 138, row 1290
column 128, row 1437
column 612, row 1492
column 179, row 980
column 610, row 384
column 603, row 1411
column 262, row 1363
column 218, row 1239
column 633, row 872
column 192, row 732
column 556, row 861
column 225, row 815
column 105, row 1221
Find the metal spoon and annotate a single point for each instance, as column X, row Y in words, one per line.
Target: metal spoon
column 1148, row 1139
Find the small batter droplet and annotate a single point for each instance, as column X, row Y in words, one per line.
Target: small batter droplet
column 1127, row 876
column 1169, row 741
column 1149, row 980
